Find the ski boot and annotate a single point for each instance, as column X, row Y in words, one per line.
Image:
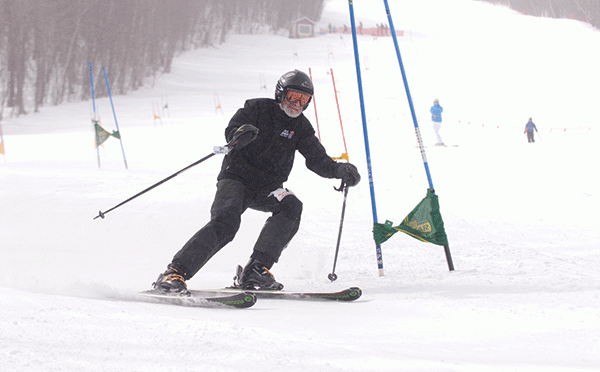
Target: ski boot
column 255, row 276
column 170, row 282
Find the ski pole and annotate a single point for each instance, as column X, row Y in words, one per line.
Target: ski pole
column 217, row 150
column 332, row 276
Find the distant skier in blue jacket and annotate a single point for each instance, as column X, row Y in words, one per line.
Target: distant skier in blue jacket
column 529, row 128
column 436, row 119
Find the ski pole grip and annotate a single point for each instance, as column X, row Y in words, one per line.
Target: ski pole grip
column 341, row 188
column 221, row 150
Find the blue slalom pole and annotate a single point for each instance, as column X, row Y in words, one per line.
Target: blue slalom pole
column 92, row 83
column 94, row 119
column 410, row 102
column 414, row 117
column 115, row 116
column 365, row 133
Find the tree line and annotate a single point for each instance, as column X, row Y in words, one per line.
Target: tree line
column 46, row 45
column 582, row 10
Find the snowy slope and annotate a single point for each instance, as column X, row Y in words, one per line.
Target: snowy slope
column 521, row 218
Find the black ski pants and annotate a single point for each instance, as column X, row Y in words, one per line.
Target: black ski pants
column 231, row 200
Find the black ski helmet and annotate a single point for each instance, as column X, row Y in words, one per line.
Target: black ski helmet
column 296, row 80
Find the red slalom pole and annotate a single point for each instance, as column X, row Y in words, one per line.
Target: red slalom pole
column 314, row 100
column 340, row 115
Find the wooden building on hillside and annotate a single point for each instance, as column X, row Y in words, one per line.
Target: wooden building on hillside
column 303, row 27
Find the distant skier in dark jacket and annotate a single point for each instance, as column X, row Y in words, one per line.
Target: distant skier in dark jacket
column 263, row 136
column 529, row 128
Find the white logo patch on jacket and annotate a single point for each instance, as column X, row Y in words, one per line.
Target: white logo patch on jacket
column 281, row 193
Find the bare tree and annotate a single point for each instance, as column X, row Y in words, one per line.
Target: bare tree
column 46, row 45
column 17, row 45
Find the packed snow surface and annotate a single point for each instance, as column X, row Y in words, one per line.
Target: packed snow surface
column 521, row 218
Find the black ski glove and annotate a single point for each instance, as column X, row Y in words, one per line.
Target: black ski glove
column 348, row 173
column 243, row 136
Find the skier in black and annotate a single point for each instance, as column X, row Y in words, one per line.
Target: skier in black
column 263, row 138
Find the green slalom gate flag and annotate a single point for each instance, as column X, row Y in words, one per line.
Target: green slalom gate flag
column 102, row 135
column 424, row 223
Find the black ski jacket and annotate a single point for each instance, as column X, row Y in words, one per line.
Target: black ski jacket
column 266, row 162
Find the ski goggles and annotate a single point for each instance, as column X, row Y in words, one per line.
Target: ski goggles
column 293, row 96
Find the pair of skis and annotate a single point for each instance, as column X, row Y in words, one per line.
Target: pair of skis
column 240, row 298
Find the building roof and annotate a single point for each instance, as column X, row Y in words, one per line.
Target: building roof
column 304, row 19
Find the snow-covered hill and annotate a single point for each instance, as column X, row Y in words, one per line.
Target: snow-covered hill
column 521, row 218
